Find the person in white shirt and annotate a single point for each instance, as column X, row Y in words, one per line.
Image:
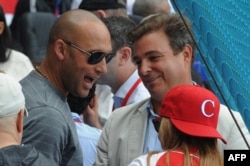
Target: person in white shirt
column 12, row 62
column 122, row 75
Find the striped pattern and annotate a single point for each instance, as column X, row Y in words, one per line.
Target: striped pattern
column 49, row 126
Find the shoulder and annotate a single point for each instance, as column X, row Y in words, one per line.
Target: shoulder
column 176, row 158
column 142, row 160
column 41, row 94
column 139, row 161
column 123, row 117
column 131, row 109
column 36, row 157
column 225, row 115
column 44, row 119
column 30, row 81
column 232, row 132
column 22, row 154
column 19, row 56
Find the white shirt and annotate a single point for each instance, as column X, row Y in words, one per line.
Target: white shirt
column 105, row 96
column 142, row 160
column 105, row 102
column 139, row 94
column 18, row 65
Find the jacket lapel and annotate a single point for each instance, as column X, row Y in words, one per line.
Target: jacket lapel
column 136, row 137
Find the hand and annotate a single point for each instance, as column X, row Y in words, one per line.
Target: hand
column 91, row 116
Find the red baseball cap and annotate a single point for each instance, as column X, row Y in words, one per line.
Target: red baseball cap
column 193, row 110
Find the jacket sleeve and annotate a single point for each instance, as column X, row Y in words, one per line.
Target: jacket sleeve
column 102, row 146
column 230, row 130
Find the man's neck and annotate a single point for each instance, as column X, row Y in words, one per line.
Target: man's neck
column 122, row 79
column 156, row 105
column 7, row 140
column 52, row 76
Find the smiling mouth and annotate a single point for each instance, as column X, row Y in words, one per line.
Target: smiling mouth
column 148, row 80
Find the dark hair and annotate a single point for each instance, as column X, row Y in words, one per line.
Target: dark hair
column 119, row 27
column 147, row 7
column 172, row 25
column 92, row 5
column 79, row 104
column 5, row 38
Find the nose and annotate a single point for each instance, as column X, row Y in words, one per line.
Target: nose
column 144, row 68
column 101, row 67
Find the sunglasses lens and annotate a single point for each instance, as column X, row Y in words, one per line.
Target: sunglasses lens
column 108, row 57
column 97, row 57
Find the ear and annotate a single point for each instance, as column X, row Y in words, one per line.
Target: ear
column 188, row 53
column 60, row 49
column 19, row 121
column 124, row 56
column 101, row 14
column 1, row 27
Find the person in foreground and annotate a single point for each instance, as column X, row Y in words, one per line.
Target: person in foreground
column 164, row 52
column 187, row 131
column 12, row 112
column 77, row 52
column 12, row 62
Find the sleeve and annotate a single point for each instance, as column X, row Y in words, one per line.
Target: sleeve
column 137, row 162
column 142, row 161
column 47, row 131
column 102, row 146
column 230, row 131
column 88, row 137
column 236, row 140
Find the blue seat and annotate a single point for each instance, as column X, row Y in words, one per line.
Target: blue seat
column 222, row 32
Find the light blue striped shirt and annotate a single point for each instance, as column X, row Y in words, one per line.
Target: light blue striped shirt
column 88, row 138
column 152, row 142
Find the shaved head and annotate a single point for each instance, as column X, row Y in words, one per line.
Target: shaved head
column 66, row 64
column 69, row 22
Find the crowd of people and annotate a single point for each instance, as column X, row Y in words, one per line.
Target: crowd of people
column 113, row 89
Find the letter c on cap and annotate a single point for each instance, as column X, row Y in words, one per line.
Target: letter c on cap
column 203, row 108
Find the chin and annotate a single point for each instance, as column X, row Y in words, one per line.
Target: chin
column 83, row 93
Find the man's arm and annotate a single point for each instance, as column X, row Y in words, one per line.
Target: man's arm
column 102, row 146
column 230, row 131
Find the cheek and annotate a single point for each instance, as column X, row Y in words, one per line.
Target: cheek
column 111, row 67
column 173, row 66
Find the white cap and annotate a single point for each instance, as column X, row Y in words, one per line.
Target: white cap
column 11, row 96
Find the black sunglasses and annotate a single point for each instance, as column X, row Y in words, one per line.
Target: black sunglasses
column 95, row 56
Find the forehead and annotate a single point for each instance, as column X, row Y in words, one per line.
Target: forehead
column 95, row 36
column 156, row 40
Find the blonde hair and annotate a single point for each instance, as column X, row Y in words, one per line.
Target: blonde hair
column 171, row 139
